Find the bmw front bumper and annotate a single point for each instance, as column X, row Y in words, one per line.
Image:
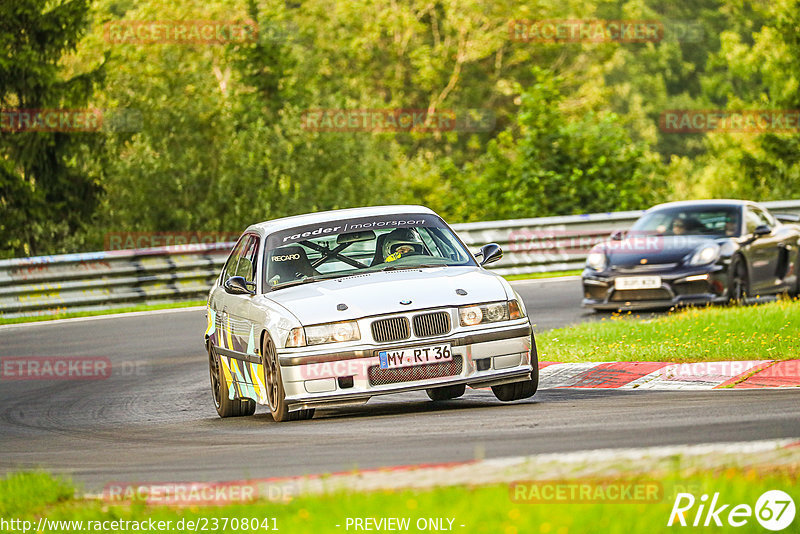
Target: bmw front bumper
column 480, row 358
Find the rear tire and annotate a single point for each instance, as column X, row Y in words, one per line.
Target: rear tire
column 446, row 392
column 276, row 395
column 220, row 391
column 521, row 390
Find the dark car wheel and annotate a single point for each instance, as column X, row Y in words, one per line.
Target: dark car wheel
column 276, row 395
column 739, row 282
column 220, row 392
column 524, row 389
column 796, row 291
column 446, row 392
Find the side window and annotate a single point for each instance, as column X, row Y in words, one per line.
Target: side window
column 765, row 218
column 230, row 266
column 756, row 217
column 246, row 267
column 751, row 220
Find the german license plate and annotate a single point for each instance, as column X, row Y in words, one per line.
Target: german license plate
column 637, row 282
column 392, row 359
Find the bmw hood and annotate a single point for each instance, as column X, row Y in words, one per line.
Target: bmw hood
column 388, row 292
column 655, row 249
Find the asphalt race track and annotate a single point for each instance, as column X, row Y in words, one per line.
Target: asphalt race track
column 153, row 419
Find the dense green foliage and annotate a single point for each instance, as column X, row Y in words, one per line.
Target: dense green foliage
column 217, row 139
column 46, row 188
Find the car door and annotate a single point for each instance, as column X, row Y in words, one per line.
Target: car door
column 220, row 300
column 764, row 252
column 240, row 344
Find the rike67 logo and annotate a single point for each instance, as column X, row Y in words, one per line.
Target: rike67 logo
column 774, row 510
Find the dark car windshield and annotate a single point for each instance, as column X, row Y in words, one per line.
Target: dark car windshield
column 720, row 221
column 354, row 246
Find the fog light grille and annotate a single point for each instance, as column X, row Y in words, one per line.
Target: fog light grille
column 379, row 377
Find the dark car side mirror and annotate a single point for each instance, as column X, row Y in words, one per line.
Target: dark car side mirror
column 762, row 230
column 617, row 235
column 489, row 253
column 237, row 285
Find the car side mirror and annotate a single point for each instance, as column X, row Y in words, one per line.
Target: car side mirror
column 617, row 235
column 237, row 285
column 489, row 253
column 762, row 230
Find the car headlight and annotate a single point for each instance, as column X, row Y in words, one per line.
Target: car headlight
column 705, row 255
column 489, row 313
column 324, row 333
column 596, row 260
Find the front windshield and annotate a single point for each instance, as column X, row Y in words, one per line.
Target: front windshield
column 719, row 221
column 355, row 246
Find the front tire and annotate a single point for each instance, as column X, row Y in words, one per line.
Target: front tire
column 796, row 291
column 521, row 390
column 276, row 395
column 220, row 391
column 739, row 281
column 446, row 392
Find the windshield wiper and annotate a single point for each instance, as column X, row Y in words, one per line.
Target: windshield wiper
column 308, row 280
column 408, row 267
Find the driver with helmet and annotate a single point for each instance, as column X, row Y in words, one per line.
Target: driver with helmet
column 400, row 242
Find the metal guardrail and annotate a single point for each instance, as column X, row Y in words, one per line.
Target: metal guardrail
column 47, row 285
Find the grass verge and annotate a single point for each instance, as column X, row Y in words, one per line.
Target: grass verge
column 760, row 332
column 499, row 508
column 533, row 276
column 126, row 309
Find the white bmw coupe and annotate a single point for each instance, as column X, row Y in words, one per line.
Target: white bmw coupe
column 330, row 309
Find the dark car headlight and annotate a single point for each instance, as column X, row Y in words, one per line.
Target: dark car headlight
column 596, row 260
column 704, row 255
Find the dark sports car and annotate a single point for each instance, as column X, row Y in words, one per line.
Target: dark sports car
column 695, row 252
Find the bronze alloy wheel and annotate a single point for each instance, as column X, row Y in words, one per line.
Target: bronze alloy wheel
column 276, row 395
column 225, row 406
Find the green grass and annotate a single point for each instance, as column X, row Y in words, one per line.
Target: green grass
column 126, row 309
column 767, row 331
column 532, row 276
column 485, row 509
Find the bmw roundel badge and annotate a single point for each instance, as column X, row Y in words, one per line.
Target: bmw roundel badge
column 405, row 302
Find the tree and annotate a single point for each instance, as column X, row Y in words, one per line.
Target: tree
column 762, row 74
column 45, row 193
column 557, row 166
